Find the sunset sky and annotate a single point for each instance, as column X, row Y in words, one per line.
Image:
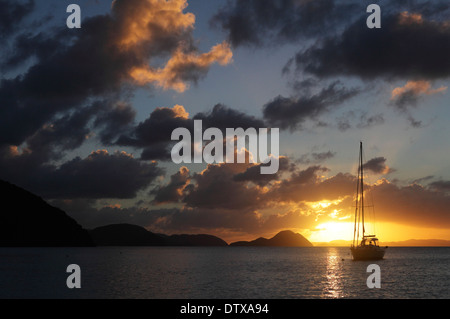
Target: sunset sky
column 86, row 115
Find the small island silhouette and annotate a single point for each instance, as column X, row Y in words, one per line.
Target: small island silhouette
column 285, row 238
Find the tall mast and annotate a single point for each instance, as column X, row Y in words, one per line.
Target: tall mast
column 362, row 185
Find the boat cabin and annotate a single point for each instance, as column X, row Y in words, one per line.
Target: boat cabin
column 369, row 241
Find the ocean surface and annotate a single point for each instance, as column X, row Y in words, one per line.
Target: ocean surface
column 222, row 272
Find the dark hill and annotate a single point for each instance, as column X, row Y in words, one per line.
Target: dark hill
column 125, row 235
column 26, row 220
column 133, row 235
column 284, row 238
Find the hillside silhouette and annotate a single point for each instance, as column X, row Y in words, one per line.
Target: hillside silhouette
column 27, row 220
column 285, row 238
column 133, row 235
column 125, row 235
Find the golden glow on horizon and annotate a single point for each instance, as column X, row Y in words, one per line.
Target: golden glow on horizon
column 329, row 231
column 385, row 232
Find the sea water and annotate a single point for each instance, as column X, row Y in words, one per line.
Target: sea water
column 222, row 272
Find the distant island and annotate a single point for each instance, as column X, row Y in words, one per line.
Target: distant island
column 133, row 235
column 284, row 238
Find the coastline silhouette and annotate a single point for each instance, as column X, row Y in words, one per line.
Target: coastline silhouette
column 133, row 235
column 29, row 221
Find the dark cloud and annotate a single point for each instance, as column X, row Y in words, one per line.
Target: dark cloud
column 11, row 15
column 215, row 187
column 306, row 176
column 418, row 49
column 253, row 173
column 65, row 133
column 68, row 132
column 343, row 124
column 370, row 120
column 315, row 157
column 358, row 119
column 112, row 120
column 308, row 185
column 290, row 113
column 414, row 123
column 154, row 133
column 412, row 205
column 157, row 127
column 91, row 213
column 406, row 97
column 63, row 78
column 224, row 117
column 100, row 175
column 241, row 187
column 377, row 165
column 422, row 179
column 443, row 186
column 159, row 151
column 266, row 22
column 173, row 191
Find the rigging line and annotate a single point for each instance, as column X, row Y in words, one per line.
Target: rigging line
column 356, row 226
column 373, row 213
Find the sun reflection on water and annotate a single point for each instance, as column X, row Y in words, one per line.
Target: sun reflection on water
column 334, row 281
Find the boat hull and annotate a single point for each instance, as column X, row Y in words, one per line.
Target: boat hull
column 367, row 253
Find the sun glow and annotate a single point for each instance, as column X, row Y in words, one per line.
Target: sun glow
column 329, row 231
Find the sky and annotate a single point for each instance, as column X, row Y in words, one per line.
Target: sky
column 86, row 114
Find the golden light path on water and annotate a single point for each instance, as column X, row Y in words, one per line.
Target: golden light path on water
column 334, row 285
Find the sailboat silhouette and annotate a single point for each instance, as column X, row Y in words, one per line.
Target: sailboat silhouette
column 364, row 247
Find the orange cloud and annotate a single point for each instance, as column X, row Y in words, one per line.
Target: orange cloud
column 178, row 111
column 177, row 68
column 416, row 88
column 160, row 29
column 150, row 18
column 407, row 18
column 117, row 205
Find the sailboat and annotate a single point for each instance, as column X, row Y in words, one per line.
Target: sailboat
column 364, row 246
